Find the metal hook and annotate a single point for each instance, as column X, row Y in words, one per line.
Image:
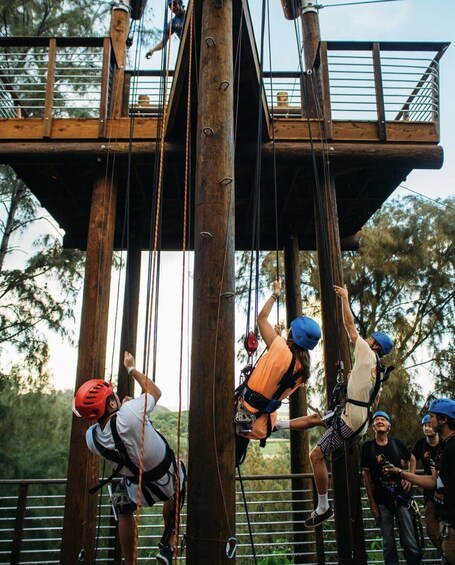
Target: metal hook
column 225, row 181
column 207, row 131
column 206, row 235
column 210, row 41
column 225, row 84
column 231, row 547
column 227, row 294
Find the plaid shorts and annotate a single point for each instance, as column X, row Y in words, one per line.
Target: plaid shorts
column 334, row 437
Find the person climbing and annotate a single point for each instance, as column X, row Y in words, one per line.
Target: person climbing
column 278, row 373
column 174, row 26
column 426, row 450
column 390, row 498
column 362, row 392
column 442, row 480
column 117, row 436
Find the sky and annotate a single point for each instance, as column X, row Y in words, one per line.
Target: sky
column 397, row 20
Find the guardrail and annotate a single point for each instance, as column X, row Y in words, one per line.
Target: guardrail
column 31, row 522
column 72, row 78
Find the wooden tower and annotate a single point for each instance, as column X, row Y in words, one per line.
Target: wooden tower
column 79, row 159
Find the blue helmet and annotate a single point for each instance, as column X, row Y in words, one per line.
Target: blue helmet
column 305, row 332
column 445, row 406
column 383, row 414
column 384, row 340
column 426, row 419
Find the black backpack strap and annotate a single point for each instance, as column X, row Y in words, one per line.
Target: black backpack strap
column 120, row 456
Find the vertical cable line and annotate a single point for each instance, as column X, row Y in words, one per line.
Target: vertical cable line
column 318, row 195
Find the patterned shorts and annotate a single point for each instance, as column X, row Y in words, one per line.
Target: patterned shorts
column 334, row 437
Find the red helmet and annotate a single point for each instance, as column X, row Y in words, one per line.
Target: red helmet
column 90, row 399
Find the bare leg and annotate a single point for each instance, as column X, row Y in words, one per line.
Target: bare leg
column 169, row 515
column 321, row 478
column 126, row 534
column 306, row 422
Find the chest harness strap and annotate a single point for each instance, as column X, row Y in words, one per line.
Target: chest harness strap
column 340, row 392
column 261, row 403
column 120, row 456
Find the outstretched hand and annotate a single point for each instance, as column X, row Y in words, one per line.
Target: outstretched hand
column 149, row 54
column 128, row 360
column 341, row 291
column 276, row 287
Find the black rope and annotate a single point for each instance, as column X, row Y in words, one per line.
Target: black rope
column 250, row 531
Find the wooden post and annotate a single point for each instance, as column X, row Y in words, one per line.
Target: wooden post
column 311, row 38
column 211, row 488
column 119, row 32
column 300, row 441
column 345, row 470
column 128, row 337
column 79, row 524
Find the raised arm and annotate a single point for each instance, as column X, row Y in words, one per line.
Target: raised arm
column 267, row 331
column 146, row 384
column 348, row 318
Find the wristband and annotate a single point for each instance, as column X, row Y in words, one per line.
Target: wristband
column 130, row 370
column 275, row 295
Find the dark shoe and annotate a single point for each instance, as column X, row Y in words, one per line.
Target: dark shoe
column 165, row 555
column 316, row 519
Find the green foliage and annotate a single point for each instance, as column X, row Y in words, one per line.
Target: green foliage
column 38, row 295
column 35, row 431
column 52, row 17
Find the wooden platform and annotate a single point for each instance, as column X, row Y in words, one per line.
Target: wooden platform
column 59, row 157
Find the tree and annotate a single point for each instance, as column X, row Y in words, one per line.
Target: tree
column 39, row 295
column 38, row 18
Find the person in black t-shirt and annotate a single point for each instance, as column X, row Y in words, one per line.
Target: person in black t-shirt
column 425, row 450
column 389, row 497
column 442, row 418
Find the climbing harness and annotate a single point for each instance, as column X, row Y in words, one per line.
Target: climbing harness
column 150, row 489
column 339, row 399
column 244, row 417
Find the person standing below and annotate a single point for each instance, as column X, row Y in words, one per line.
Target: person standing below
column 354, row 419
column 442, row 419
column 174, row 26
column 120, row 432
column 389, row 497
column 425, row 450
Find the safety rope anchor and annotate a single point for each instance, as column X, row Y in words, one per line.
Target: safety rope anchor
column 207, row 131
column 224, row 85
column 210, row 41
column 225, row 181
column 227, row 294
column 231, row 547
column 206, row 235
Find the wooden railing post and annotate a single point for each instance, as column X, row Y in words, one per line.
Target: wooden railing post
column 50, row 86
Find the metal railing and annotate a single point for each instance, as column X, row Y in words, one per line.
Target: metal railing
column 69, row 77
column 31, row 522
column 60, row 76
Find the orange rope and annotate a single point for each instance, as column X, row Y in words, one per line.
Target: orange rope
column 184, row 249
column 154, row 250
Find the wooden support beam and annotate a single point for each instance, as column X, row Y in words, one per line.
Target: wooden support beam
column 300, row 441
column 211, row 488
column 400, row 155
column 79, row 524
column 345, row 470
